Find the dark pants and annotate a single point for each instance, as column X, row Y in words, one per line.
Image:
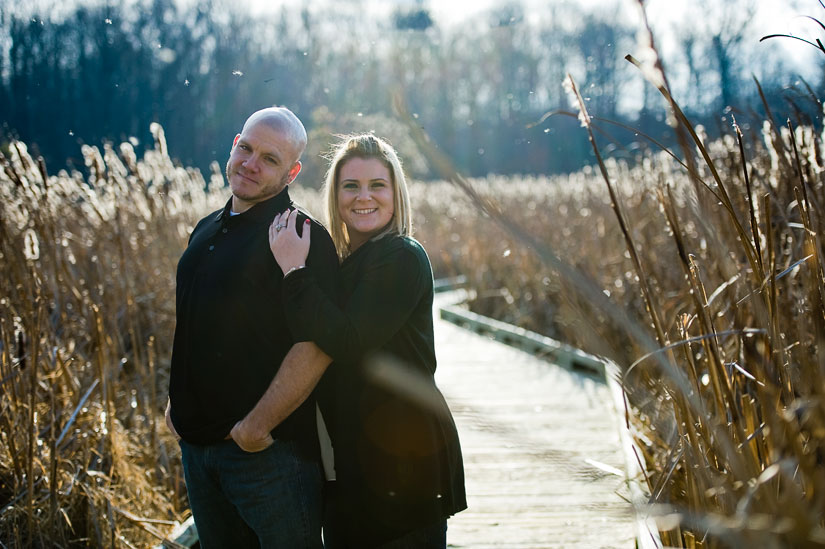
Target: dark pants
column 433, row 536
column 428, row 537
column 269, row 499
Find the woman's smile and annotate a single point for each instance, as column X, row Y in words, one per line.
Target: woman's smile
column 365, row 198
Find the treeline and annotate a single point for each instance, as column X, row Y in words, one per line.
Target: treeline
column 105, row 71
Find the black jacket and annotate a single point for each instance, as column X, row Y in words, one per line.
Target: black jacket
column 397, row 455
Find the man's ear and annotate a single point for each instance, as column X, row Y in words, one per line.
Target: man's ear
column 294, row 171
column 235, row 142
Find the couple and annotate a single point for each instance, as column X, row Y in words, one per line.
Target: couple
column 265, row 313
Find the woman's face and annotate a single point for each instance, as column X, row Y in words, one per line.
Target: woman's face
column 365, row 198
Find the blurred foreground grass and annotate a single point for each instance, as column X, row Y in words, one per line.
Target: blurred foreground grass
column 703, row 281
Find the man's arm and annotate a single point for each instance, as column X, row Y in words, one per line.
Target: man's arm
column 298, row 375
column 169, row 419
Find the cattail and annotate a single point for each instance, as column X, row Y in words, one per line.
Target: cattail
column 31, row 245
column 160, row 138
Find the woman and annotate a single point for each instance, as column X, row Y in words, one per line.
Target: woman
column 397, row 456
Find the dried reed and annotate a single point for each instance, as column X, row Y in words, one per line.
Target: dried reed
column 86, row 322
column 700, row 273
column 714, row 253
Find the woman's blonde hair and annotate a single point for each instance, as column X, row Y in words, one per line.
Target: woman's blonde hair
column 366, row 146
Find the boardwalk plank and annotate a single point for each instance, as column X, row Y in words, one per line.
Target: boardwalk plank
column 527, row 431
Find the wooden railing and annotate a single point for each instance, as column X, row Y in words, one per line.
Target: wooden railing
column 571, row 358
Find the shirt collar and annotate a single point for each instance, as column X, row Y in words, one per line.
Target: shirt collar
column 262, row 211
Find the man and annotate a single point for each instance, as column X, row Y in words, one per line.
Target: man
column 250, row 483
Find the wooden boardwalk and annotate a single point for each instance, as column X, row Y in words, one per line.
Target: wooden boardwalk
column 542, row 456
column 541, row 448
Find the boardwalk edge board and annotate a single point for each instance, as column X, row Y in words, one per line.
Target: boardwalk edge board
column 561, row 354
column 571, row 358
column 183, row 536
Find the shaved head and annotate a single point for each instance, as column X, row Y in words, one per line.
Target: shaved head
column 284, row 121
column 265, row 156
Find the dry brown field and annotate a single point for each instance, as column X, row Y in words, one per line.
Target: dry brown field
column 703, row 283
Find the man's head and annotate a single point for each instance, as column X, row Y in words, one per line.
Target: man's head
column 265, row 156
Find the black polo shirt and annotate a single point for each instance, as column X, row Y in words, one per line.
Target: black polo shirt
column 231, row 334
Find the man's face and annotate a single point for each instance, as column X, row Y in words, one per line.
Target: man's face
column 261, row 164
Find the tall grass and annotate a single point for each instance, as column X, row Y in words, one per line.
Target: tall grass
column 86, row 322
column 700, row 272
column 734, row 443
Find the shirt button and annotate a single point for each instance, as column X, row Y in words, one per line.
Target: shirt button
column 225, row 230
column 212, row 247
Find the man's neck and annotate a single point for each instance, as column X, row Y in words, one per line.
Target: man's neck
column 239, row 206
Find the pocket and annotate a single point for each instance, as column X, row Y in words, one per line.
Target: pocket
column 257, row 450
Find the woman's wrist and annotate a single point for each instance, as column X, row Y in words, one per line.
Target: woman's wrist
column 293, row 269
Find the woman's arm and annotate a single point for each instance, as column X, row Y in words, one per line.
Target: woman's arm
column 390, row 286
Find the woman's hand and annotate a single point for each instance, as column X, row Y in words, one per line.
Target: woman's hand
column 289, row 249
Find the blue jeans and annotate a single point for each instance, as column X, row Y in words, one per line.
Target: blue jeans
column 268, row 499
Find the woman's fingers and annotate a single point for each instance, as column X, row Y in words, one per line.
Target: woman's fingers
column 273, row 227
column 288, row 247
column 305, row 234
column 279, row 223
column 291, row 216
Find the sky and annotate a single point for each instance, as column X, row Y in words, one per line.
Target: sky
column 666, row 16
column 783, row 15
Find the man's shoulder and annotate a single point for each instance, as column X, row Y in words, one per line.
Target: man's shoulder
column 205, row 220
column 318, row 228
column 212, row 216
column 321, row 249
column 304, row 214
